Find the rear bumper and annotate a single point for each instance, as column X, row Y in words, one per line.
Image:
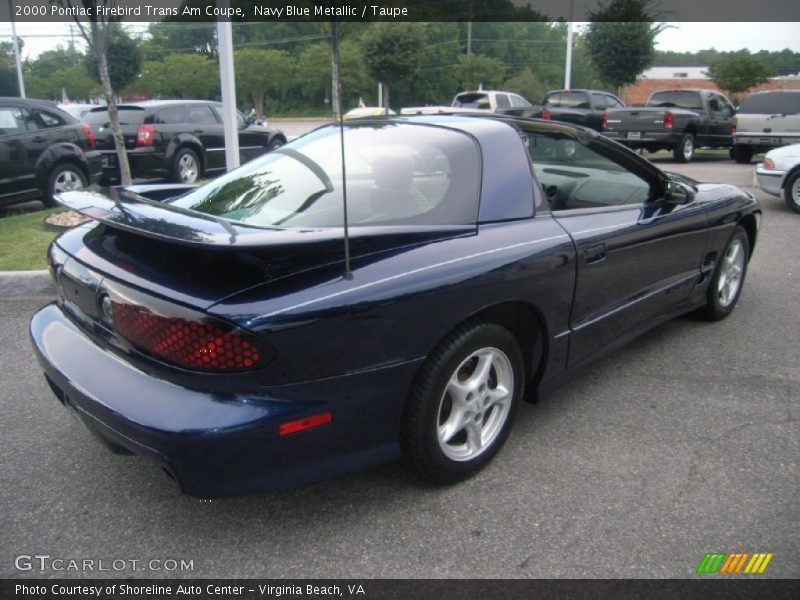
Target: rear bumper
column 763, row 142
column 666, row 139
column 218, row 444
column 94, row 165
column 145, row 162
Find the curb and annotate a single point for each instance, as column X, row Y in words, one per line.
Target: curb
column 21, row 284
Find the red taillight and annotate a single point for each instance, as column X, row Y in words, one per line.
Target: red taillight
column 145, row 135
column 89, row 134
column 733, row 126
column 604, row 122
column 198, row 345
column 303, row 424
column 546, row 114
column 669, row 120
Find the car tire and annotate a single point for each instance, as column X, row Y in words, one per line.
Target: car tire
column 684, row 150
column 186, row 167
column 462, row 403
column 728, row 279
column 65, row 177
column 742, row 154
column 275, row 144
column 791, row 192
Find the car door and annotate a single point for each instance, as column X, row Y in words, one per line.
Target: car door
column 22, row 142
column 205, row 126
column 638, row 256
column 720, row 120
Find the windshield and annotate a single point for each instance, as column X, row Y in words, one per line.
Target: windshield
column 687, row 100
column 395, row 174
column 472, row 101
column 567, row 100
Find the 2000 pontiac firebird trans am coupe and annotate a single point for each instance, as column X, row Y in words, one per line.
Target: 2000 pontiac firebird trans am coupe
column 217, row 331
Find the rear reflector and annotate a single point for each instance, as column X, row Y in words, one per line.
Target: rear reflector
column 201, row 345
column 303, row 424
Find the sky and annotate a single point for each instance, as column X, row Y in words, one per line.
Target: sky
column 680, row 37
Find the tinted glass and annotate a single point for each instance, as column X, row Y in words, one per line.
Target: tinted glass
column 171, row 116
column 16, row 120
column 127, row 116
column 472, row 101
column 396, row 174
column 575, row 176
column 599, row 100
column 771, row 103
column 612, row 102
column 50, row 119
column 568, row 100
column 502, row 101
column 202, row 115
column 687, row 100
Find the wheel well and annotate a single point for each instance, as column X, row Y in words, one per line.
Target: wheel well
column 69, row 161
column 789, row 175
column 691, row 129
column 749, row 224
column 526, row 325
column 198, row 150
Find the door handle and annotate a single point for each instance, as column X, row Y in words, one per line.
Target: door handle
column 595, row 254
column 40, row 138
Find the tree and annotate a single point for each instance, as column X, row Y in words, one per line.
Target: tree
column 476, row 69
column 527, row 85
column 96, row 35
column 178, row 76
column 261, row 73
column 123, row 56
column 8, row 70
column 738, row 72
column 54, row 71
column 621, row 40
column 393, row 52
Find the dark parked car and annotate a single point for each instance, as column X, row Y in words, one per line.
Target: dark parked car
column 222, row 333
column 43, row 151
column 580, row 107
column 178, row 139
column 677, row 120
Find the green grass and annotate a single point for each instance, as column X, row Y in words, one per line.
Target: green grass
column 24, row 239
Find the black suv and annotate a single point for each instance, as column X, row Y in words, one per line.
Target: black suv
column 177, row 139
column 43, row 151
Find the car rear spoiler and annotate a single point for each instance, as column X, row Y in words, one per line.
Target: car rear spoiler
column 126, row 210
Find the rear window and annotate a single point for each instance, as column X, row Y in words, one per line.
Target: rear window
column 127, row 116
column 396, row 174
column 771, row 103
column 687, row 100
column 472, row 101
column 567, row 100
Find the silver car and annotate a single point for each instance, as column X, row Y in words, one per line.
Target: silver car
column 779, row 174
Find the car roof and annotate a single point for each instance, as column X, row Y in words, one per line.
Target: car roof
column 166, row 103
column 28, row 101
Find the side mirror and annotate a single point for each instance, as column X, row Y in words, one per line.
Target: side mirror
column 678, row 193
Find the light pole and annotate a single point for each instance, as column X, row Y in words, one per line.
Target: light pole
column 568, row 69
column 15, row 42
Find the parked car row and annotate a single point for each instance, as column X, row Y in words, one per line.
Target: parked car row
column 45, row 151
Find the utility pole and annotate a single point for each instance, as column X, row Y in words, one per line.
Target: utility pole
column 227, row 82
column 469, row 38
column 568, row 69
column 336, row 88
column 15, row 42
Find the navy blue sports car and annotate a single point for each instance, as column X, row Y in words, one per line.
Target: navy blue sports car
column 233, row 333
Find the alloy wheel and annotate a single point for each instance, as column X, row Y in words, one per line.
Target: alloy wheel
column 730, row 276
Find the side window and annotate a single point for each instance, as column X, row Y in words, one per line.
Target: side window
column 171, row 116
column 502, row 101
column 574, row 176
column 50, row 119
column 599, row 101
column 713, row 104
column 15, row 120
column 519, row 102
column 612, row 102
column 202, row 115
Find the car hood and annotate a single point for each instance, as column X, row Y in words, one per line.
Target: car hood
column 785, row 152
column 201, row 260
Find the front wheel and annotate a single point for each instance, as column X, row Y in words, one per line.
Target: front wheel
column 791, row 192
column 185, row 166
column 64, row 178
column 684, row 151
column 462, row 403
column 726, row 284
column 275, row 144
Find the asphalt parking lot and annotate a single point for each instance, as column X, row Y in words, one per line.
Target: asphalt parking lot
column 682, row 443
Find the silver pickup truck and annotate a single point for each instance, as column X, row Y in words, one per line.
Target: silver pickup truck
column 766, row 120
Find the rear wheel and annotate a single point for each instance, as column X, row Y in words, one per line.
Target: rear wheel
column 726, row 284
column 186, row 166
column 791, row 192
column 684, row 151
column 275, row 144
column 63, row 178
column 462, row 403
column 742, row 154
